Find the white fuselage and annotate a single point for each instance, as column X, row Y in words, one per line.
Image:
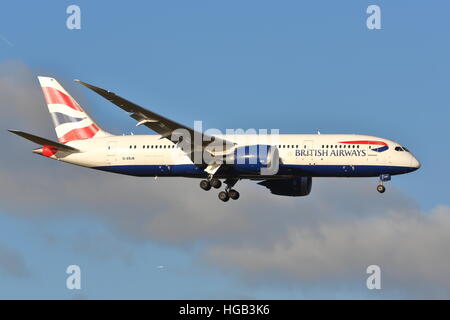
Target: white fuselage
column 323, row 155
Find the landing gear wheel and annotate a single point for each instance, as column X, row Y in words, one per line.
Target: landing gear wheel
column 215, row 183
column 381, row 188
column 224, row 196
column 233, row 194
column 205, row 185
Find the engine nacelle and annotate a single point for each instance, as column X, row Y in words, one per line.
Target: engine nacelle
column 295, row 187
column 256, row 159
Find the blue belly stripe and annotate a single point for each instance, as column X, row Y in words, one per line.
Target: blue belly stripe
column 190, row 170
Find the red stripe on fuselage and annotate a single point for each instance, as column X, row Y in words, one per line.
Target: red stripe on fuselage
column 79, row 134
column 365, row 142
column 54, row 96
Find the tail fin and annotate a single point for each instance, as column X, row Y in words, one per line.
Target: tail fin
column 70, row 120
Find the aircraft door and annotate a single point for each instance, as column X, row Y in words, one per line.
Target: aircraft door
column 308, row 152
column 111, row 152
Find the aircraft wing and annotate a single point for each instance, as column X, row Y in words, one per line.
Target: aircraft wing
column 165, row 127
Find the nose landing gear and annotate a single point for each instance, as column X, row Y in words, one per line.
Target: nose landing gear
column 383, row 178
column 381, row 188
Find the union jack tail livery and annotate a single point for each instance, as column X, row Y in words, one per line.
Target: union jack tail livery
column 70, row 120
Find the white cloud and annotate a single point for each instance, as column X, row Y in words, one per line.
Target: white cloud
column 410, row 247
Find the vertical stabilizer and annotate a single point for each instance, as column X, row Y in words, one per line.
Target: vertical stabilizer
column 70, row 120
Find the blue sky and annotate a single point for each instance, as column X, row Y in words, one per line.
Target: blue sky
column 298, row 66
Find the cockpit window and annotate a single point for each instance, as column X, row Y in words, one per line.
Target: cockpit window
column 405, row 149
column 398, row 148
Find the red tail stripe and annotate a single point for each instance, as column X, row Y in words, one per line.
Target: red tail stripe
column 79, row 134
column 54, row 96
column 365, row 142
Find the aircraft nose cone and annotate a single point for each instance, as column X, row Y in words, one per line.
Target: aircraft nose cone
column 415, row 163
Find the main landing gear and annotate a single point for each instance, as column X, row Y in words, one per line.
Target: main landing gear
column 227, row 195
column 384, row 177
column 216, row 183
column 207, row 184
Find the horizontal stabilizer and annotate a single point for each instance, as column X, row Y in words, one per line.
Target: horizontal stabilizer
column 44, row 142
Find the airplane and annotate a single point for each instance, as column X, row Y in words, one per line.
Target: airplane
column 283, row 163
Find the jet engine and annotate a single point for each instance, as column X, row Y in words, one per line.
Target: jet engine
column 256, row 159
column 295, row 187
